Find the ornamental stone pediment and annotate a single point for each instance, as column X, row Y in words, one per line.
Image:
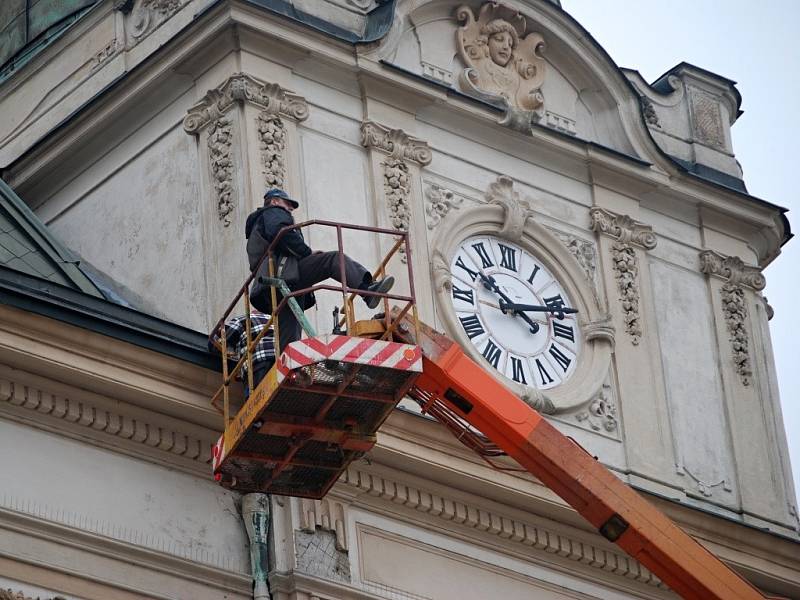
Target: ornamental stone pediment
column 519, row 57
column 502, row 57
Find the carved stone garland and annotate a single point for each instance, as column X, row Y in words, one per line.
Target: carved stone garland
column 401, row 148
column 737, row 276
column 439, row 202
column 601, row 412
column 220, row 140
column 627, row 233
column 275, row 103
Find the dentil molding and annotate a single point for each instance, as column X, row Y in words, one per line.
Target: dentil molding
column 737, row 277
column 106, row 424
column 627, row 234
column 471, row 516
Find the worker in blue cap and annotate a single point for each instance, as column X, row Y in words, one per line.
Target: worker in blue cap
column 295, row 263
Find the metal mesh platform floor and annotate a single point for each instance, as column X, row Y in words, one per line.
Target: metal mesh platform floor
column 295, row 436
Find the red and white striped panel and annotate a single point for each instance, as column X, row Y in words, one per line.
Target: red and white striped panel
column 377, row 353
column 217, row 453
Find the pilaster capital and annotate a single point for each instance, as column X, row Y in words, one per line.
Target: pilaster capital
column 240, row 87
column 396, row 142
column 622, row 227
column 732, row 269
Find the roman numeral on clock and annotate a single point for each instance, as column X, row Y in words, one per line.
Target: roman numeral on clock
column 492, row 353
column 555, row 303
column 508, row 257
column 517, row 372
column 483, row 255
column 563, row 331
column 543, row 374
column 472, row 326
column 533, row 274
column 465, row 295
column 562, row 359
column 460, row 264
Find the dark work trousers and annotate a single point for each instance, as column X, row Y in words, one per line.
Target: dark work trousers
column 259, row 371
column 314, row 269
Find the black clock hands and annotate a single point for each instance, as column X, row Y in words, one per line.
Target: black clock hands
column 557, row 311
column 490, row 284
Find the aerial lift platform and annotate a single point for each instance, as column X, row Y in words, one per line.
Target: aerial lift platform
column 320, row 406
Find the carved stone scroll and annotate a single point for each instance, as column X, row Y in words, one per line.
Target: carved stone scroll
column 502, row 57
column 401, row 148
column 270, row 97
column 147, row 15
column 517, row 209
column 397, row 143
column 737, row 276
column 628, row 233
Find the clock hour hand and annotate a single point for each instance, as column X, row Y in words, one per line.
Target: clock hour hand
column 557, row 311
column 490, row 284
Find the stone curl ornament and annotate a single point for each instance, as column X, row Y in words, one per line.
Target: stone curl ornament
column 503, row 63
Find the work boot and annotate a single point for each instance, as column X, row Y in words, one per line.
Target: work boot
column 380, row 286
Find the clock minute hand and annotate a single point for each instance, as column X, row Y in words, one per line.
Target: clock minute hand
column 490, row 284
column 557, row 312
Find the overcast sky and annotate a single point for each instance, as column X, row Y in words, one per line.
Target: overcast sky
column 755, row 44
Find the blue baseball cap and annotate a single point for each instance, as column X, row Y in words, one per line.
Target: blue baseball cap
column 279, row 193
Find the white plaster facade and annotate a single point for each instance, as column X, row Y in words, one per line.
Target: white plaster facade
column 145, row 135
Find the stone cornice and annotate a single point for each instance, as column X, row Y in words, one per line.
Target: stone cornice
column 86, row 538
column 396, row 142
column 732, row 269
column 104, row 367
column 487, row 521
column 622, row 228
column 110, row 424
column 269, row 97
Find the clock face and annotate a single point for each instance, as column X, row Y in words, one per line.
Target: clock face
column 533, row 348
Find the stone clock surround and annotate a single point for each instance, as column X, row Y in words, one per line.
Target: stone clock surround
column 508, row 216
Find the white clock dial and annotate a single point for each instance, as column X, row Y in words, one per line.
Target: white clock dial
column 537, row 349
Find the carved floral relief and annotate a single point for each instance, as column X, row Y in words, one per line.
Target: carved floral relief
column 401, row 148
column 628, row 233
column 220, row 140
column 734, row 306
column 438, row 202
column 210, row 112
column 503, row 58
column 601, row 414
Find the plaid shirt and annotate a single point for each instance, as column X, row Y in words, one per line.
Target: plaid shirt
column 236, row 340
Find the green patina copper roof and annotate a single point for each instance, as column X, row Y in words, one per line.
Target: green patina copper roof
column 27, row 26
column 27, row 246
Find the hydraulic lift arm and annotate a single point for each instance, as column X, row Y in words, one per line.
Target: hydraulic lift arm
column 455, row 389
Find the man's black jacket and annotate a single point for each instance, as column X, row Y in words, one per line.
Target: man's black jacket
column 261, row 228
